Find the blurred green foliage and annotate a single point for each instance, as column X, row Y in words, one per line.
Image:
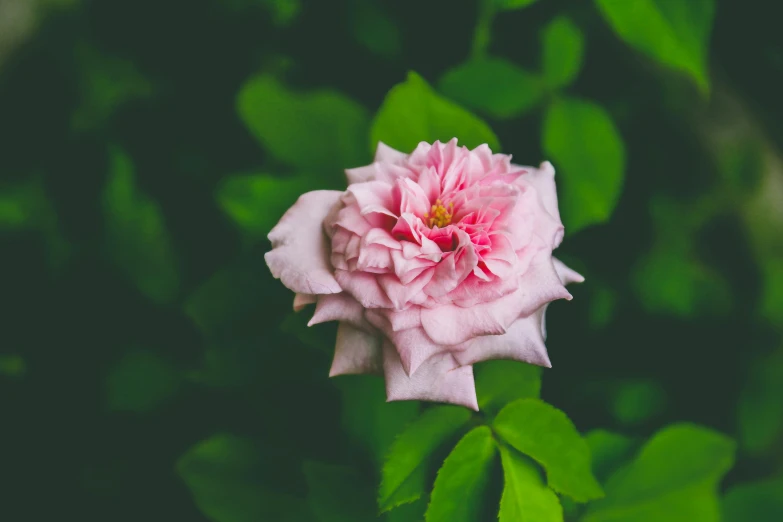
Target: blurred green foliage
column 152, row 369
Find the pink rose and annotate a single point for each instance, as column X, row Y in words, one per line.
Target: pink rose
column 431, row 262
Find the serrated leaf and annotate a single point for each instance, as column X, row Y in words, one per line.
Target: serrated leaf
column 674, row 478
column 675, row 34
column 493, row 86
column 546, row 434
column 500, row 382
column 409, row 453
column 459, row 487
column 756, row 502
column 339, row 493
column 589, row 155
column 141, row 381
column 761, row 404
column 136, row 235
column 510, row 5
column 526, row 498
column 366, row 416
column 319, row 130
column 256, row 202
column 413, row 112
column 225, row 476
column 608, row 450
column 563, row 45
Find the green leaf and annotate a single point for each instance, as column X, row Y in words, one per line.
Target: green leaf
column 510, row 5
column 410, row 450
column 140, row 382
column 761, row 404
column 257, row 202
column 106, row 84
column 526, row 498
column 368, row 418
column 609, row 450
column 230, row 296
column 25, row 207
column 563, row 45
column 339, row 493
column 671, row 279
column 493, row 86
column 137, row 239
column 459, row 488
column 412, row 112
column 634, row 402
column 546, row 434
column 676, row 34
column 12, row 366
column 499, row 382
column 754, row 502
column 412, row 512
column 224, row 475
column 674, row 478
column 589, row 154
column 319, row 130
column 375, row 29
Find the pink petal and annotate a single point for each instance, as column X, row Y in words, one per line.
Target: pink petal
column 300, row 251
column 399, row 293
column 451, row 325
column 340, row 307
column 302, row 300
column 543, row 179
column 361, row 174
column 524, row 341
column 364, row 288
column 413, row 345
column 440, row 379
column 567, row 275
column 356, row 352
column 387, row 154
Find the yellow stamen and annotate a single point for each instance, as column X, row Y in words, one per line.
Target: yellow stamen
column 439, row 216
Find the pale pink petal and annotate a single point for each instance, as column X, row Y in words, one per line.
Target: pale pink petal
column 302, row 300
column 567, row 275
column 451, row 325
column 356, row 352
column 387, row 154
column 364, row 288
column 373, row 197
column 543, row 179
column 361, row 174
column 401, row 293
column 375, row 259
column 524, row 341
column 452, row 270
column 339, row 307
column 412, row 344
column 300, row 251
column 440, row 379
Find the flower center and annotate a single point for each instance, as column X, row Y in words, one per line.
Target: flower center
column 439, row 215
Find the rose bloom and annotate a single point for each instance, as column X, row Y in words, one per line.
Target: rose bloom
column 430, row 262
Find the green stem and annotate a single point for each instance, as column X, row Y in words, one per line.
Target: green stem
column 483, row 32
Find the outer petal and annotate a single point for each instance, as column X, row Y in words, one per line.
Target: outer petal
column 567, row 275
column 387, row 154
column 451, row 325
column 300, row 251
column 340, row 307
column 364, row 288
column 361, row 174
column 412, row 343
column 356, row 352
column 543, row 179
column 524, row 342
column 302, row 300
column 440, row 379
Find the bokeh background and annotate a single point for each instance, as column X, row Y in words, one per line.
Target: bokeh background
column 150, row 366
